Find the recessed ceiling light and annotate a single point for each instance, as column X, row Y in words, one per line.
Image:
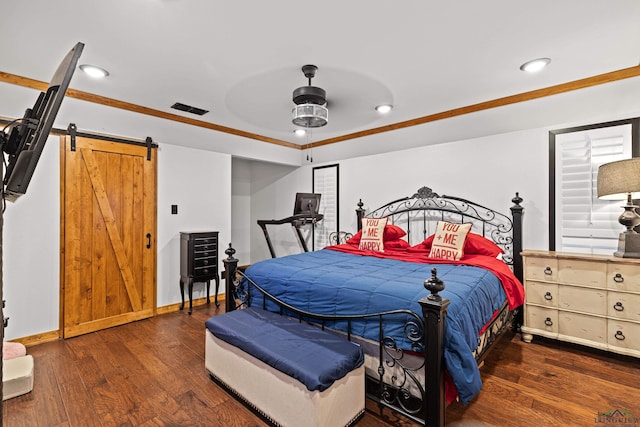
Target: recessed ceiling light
column 300, row 132
column 384, row 108
column 93, row 71
column 535, row 65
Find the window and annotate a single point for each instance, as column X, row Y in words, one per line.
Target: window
column 326, row 182
column 578, row 220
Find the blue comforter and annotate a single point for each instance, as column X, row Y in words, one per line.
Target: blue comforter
column 331, row 282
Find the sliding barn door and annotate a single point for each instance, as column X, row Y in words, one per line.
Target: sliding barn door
column 108, row 235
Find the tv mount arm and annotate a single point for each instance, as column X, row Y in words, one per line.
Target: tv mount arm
column 9, row 140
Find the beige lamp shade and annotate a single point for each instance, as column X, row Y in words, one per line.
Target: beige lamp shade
column 617, row 179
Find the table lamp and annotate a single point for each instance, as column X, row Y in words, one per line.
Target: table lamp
column 618, row 181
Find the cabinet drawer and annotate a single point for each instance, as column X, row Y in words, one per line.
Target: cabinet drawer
column 583, row 326
column 204, row 253
column 623, row 306
column 583, row 299
column 204, row 272
column 205, row 241
column 542, row 293
column 624, row 335
column 544, row 319
column 623, row 277
column 582, row 272
column 204, row 262
column 204, row 249
column 543, row 269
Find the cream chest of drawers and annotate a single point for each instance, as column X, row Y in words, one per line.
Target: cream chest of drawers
column 591, row 300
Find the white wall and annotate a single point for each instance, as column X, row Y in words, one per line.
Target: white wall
column 487, row 170
column 273, row 189
column 31, row 251
column 241, row 210
column 198, row 181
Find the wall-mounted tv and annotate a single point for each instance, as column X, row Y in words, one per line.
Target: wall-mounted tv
column 23, row 140
column 306, row 204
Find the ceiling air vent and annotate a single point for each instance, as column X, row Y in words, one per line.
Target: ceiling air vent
column 189, row 109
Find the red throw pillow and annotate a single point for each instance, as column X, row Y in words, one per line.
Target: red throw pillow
column 355, row 240
column 393, row 232
column 474, row 244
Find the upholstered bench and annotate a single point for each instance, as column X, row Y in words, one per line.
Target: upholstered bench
column 292, row 373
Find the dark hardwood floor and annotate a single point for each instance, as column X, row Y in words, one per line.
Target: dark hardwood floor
column 151, row 373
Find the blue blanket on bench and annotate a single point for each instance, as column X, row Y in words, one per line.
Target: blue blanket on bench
column 307, row 353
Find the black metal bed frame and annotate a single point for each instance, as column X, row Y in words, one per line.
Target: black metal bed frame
column 424, row 206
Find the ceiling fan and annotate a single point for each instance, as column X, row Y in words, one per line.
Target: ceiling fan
column 310, row 110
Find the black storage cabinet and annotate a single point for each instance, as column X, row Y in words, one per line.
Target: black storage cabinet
column 198, row 262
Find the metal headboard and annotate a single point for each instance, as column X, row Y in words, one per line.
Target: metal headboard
column 418, row 216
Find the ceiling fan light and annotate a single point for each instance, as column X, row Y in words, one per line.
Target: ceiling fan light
column 535, row 65
column 310, row 115
column 300, row 132
column 310, row 110
column 384, row 108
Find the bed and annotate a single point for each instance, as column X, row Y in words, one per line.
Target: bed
column 425, row 286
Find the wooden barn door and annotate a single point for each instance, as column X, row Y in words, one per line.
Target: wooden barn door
column 108, row 235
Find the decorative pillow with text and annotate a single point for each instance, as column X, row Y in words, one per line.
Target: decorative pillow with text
column 372, row 234
column 448, row 241
column 391, row 232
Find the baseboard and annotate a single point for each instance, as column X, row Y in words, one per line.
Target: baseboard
column 196, row 302
column 56, row 335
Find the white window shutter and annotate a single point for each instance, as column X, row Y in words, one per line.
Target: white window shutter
column 584, row 223
column 325, row 182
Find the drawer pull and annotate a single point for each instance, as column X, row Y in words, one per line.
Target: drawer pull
column 618, row 278
column 548, row 271
column 619, row 335
column 548, row 296
column 548, row 321
column 618, row 306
